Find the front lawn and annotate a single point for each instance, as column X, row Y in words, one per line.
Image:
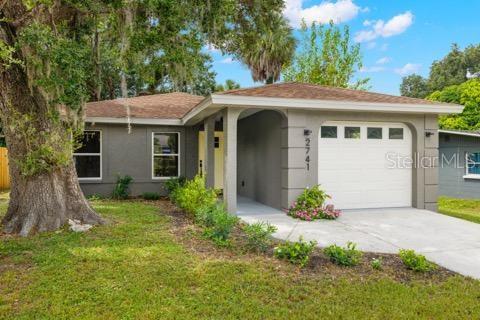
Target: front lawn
column 147, row 265
column 467, row 209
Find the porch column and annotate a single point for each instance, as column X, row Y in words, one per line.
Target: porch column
column 209, row 160
column 230, row 118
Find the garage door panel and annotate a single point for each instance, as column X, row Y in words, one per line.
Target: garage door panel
column 356, row 173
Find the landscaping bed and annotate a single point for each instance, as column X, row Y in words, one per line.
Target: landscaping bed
column 152, row 261
column 190, row 235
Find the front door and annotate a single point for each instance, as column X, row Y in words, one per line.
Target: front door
column 218, row 144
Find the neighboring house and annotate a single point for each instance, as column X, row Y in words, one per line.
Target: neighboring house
column 268, row 144
column 459, row 175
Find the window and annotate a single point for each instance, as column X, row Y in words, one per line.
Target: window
column 473, row 163
column 216, row 142
column 374, row 133
column 328, row 132
column 395, row 133
column 165, row 155
column 88, row 158
column 352, row 132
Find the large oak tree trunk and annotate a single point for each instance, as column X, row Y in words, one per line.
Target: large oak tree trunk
column 45, row 200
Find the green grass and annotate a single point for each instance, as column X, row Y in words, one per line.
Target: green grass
column 135, row 268
column 460, row 208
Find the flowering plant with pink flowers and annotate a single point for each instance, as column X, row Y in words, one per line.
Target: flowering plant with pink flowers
column 310, row 206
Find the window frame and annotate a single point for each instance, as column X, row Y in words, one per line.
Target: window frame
column 381, row 133
column 165, row 154
column 469, row 175
column 92, row 154
column 403, row 133
column 332, row 126
column 352, row 127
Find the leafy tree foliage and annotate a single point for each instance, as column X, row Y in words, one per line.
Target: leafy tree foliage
column 466, row 94
column 57, row 55
column 229, row 85
column 414, row 86
column 327, row 58
column 450, row 70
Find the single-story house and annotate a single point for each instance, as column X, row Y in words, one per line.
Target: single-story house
column 459, row 174
column 268, row 143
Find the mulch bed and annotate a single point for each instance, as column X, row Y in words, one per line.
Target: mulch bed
column 190, row 235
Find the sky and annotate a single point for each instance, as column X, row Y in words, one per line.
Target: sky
column 397, row 38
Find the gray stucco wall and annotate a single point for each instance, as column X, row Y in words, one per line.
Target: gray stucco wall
column 131, row 154
column 259, row 157
column 270, row 158
column 295, row 176
column 452, row 159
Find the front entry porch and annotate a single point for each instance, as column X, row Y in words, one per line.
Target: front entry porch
column 240, row 152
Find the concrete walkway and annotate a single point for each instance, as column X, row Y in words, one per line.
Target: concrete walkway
column 450, row 242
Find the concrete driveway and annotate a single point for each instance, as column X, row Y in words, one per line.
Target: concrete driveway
column 450, row 242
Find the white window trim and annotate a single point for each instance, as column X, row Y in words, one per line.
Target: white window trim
column 164, row 154
column 93, row 154
column 467, row 174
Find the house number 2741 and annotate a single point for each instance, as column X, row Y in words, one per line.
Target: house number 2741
column 307, row 134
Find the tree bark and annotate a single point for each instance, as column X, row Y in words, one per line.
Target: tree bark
column 43, row 201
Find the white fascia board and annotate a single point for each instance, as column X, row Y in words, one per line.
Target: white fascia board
column 460, row 133
column 205, row 103
column 151, row 121
column 223, row 99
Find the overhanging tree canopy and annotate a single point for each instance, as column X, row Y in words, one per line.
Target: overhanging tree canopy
column 56, row 54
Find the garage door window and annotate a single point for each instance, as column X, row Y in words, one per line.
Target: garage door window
column 329, row 132
column 374, row 133
column 352, row 132
column 473, row 163
column 395, row 133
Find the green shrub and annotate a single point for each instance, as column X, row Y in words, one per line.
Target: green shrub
column 218, row 223
column 295, row 252
column 173, row 184
column 310, row 206
column 122, row 187
column 259, row 235
column 347, row 256
column 193, row 195
column 151, row 196
column 376, row 263
column 415, row 262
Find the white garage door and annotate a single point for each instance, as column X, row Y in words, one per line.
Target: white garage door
column 358, row 164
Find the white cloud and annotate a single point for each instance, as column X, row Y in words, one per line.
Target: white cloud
column 227, row 60
column 407, row 69
column 383, row 60
column 372, row 69
column 371, row 45
column 367, row 23
column 380, row 28
column 339, row 11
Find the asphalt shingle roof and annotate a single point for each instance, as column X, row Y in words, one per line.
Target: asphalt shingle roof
column 156, row 106
column 177, row 104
